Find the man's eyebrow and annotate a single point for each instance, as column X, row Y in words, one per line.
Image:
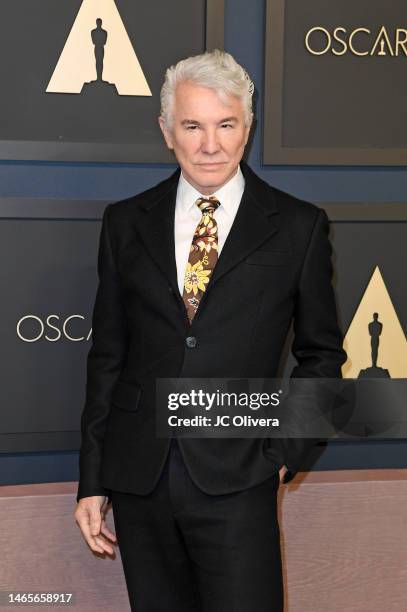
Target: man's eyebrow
column 229, row 119
column 193, row 121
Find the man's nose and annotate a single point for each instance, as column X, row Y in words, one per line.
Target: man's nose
column 210, row 142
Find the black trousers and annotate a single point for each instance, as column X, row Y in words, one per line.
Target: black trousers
column 184, row 550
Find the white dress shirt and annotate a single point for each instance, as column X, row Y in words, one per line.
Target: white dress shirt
column 188, row 215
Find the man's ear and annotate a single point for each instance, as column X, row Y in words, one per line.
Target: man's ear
column 166, row 132
column 248, row 128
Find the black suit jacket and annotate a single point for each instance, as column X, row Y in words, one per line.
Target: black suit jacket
column 275, row 268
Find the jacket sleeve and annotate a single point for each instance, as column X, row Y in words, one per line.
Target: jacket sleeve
column 104, row 363
column 317, row 344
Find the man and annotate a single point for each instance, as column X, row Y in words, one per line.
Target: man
column 200, row 276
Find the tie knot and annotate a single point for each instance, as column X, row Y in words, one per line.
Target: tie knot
column 208, row 205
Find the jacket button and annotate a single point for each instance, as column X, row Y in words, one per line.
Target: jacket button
column 170, row 289
column 191, row 342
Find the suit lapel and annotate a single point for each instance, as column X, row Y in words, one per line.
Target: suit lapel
column 251, row 227
column 155, row 225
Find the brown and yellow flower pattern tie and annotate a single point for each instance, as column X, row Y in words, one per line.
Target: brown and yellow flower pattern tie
column 203, row 255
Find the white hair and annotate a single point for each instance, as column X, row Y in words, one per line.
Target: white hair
column 216, row 70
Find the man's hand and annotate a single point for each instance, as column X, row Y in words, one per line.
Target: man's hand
column 282, row 472
column 90, row 516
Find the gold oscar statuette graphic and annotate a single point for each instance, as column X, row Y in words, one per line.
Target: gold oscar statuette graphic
column 98, row 55
column 375, row 341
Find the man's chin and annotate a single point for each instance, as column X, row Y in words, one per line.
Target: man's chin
column 212, row 166
column 213, row 174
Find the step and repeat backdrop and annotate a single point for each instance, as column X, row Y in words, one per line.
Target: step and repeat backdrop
column 84, row 80
column 84, row 76
column 335, row 86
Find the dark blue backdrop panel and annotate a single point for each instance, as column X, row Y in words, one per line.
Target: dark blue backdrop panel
column 244, row 38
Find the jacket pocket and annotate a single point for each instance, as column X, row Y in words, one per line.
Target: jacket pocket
column 126, row 396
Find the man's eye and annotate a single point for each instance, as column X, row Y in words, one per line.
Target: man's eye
column 227, row 125
column 192, row 127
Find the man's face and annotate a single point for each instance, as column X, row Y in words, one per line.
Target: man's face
column 208, row 137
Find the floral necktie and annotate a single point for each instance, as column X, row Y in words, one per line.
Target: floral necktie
column 203, row 255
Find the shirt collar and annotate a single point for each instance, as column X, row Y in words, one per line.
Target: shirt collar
column 229, row 195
